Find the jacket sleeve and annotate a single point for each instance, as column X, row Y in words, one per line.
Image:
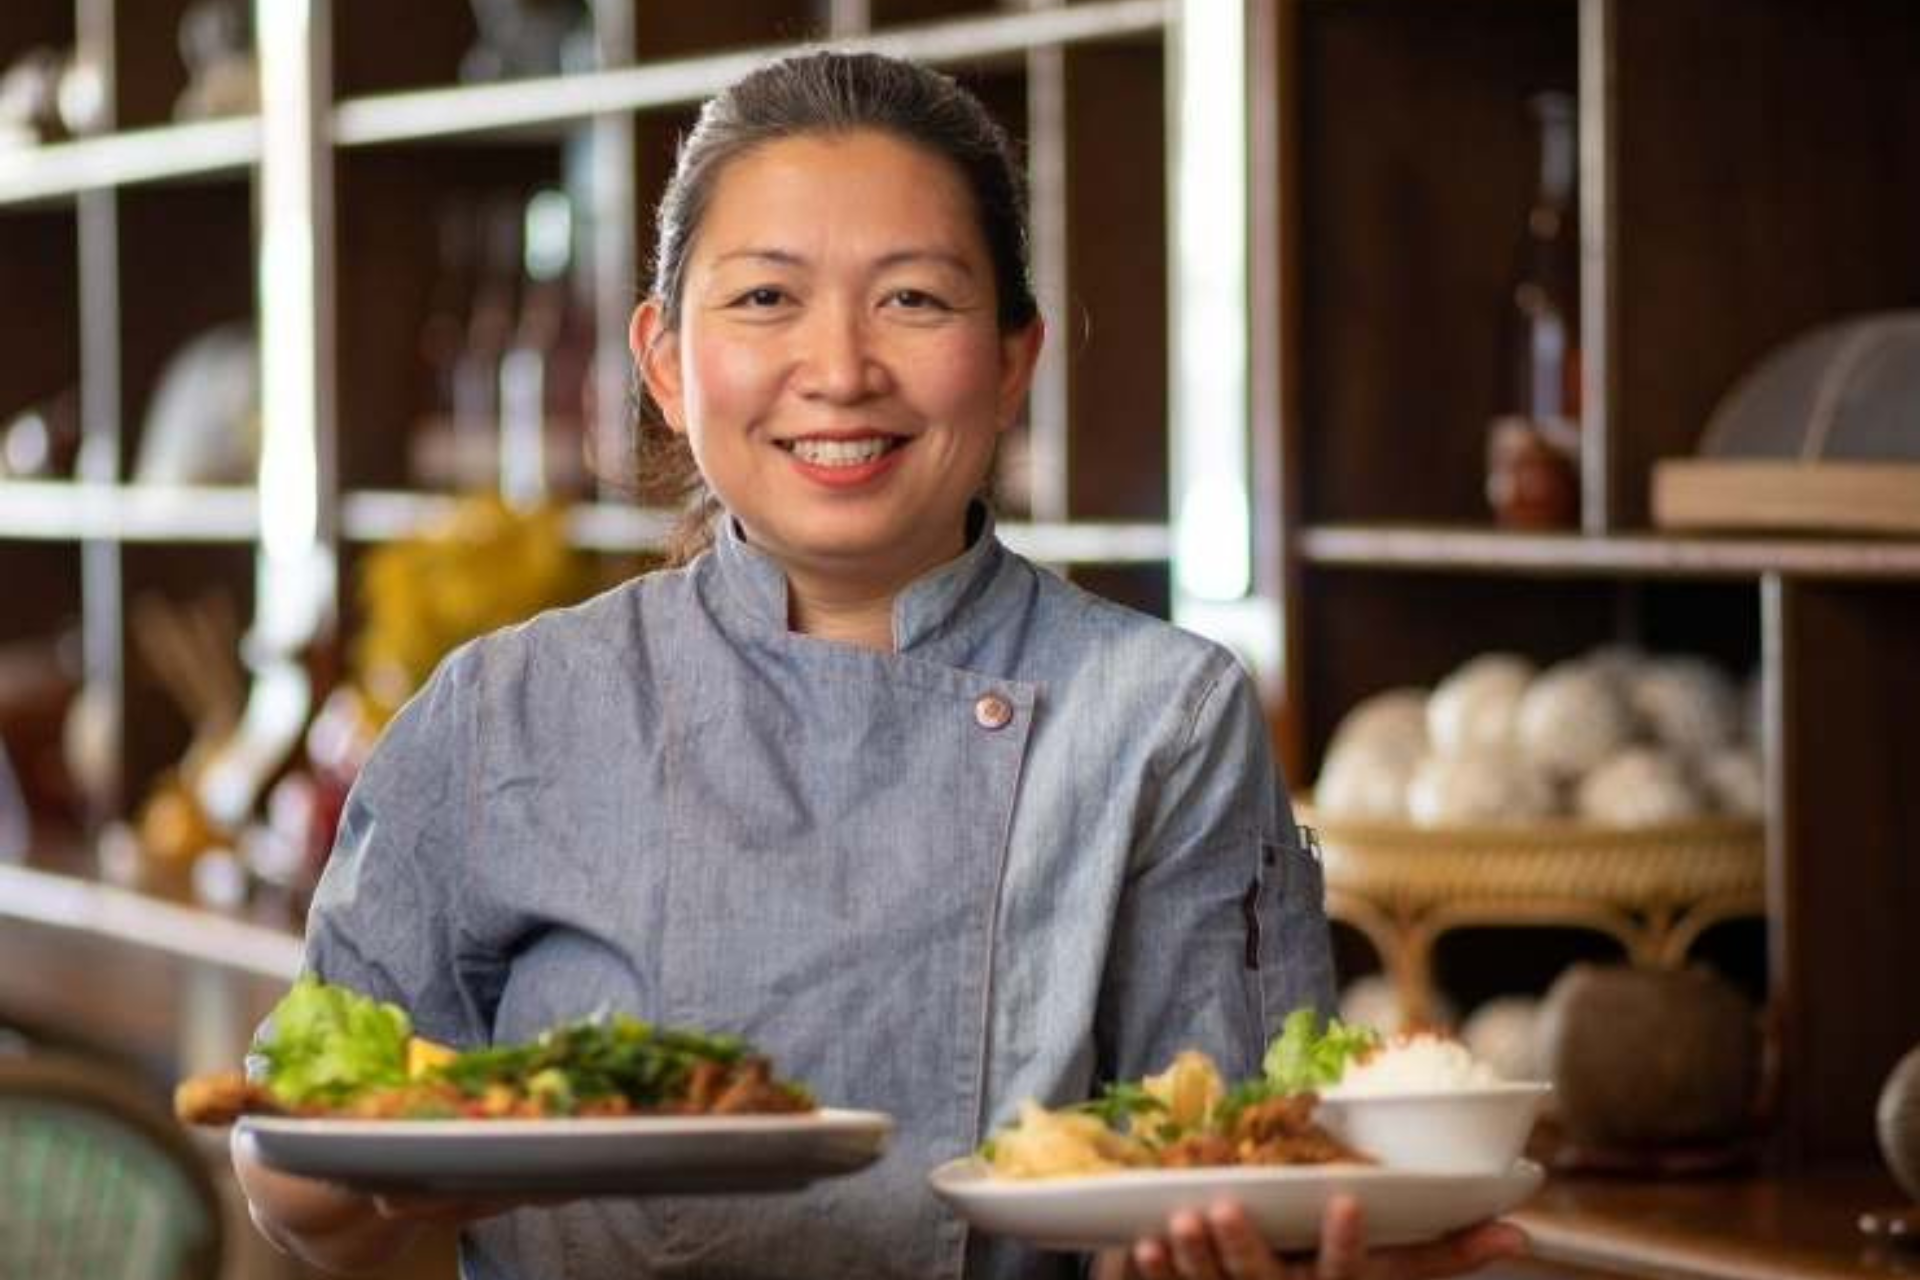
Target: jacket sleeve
column 389, row 916
column 1221, row 927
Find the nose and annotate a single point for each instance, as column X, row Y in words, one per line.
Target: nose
column 838, row 360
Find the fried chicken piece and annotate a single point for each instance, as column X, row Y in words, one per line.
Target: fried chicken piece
column 1282, row 1131
column 705, row 1084
column 222, row 1098
column 751, row 1089
column 1197, row 1151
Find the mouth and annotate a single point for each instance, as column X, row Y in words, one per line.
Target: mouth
column 843, row 452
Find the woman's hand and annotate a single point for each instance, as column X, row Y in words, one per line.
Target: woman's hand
column 1222, row 1244
column 338, row 1229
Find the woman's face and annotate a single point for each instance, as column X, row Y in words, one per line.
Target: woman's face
column 838, row 368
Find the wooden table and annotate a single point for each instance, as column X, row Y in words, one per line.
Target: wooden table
column 1797, row 1227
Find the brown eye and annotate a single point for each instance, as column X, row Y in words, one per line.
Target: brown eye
column 916, row 300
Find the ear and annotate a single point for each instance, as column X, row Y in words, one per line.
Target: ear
column 1019, row 353
column 656, row 354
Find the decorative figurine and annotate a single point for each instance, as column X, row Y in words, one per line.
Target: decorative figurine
column 520, row 38
column 216, row 44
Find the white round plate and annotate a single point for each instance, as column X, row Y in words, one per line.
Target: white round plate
column 635, row 1155
column 1099, row 1210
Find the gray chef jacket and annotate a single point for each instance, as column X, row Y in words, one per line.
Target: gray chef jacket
column 1041, row 845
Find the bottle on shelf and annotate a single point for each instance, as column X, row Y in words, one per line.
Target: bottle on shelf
column 544, row 371
column 471, row 316
column 443, row 334
column 1533, row 446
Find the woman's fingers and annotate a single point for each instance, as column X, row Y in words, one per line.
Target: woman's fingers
column 1343, row 1240
column 1153, row 1261
column 1224, row 1244
column 1242, row 1250
column 1193, row 1253
column 1457, row 1254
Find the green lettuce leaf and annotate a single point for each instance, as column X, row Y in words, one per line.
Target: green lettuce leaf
column 1304, row 1058
column 327, row 1043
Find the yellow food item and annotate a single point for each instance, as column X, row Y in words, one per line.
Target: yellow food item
column 1189, row 1090
column 1052, row 1144
column 424, row 1055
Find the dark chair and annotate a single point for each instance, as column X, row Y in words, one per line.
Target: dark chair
column 97, row 1182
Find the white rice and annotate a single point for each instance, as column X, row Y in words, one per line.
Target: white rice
column 1421, row 1063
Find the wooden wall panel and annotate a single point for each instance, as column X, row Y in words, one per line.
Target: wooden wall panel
column 1417, row 164
column 1768, row 180
column 1846, row 880
column 1114, row 337
column 389, row 203
column 188, row 254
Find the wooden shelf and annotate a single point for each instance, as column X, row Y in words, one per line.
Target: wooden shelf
column 1460, row 548
column 79, row 903
column 1746, row 1228
column 214, row 148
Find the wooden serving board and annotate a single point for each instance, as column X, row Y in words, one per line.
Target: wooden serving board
column 1846, row 497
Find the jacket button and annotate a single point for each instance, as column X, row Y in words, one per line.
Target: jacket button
column 993, row 712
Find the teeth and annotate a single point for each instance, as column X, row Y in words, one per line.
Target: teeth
column 840, row 453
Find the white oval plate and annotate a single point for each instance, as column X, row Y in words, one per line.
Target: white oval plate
column 1100, row 1210
column 635, row 1155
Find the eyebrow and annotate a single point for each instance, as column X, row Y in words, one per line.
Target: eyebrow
column 899, row 257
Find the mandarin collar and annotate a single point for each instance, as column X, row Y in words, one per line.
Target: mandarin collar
column 929, row 607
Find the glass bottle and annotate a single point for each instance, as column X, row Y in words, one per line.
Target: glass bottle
column 1533, row 446
column 543, row 374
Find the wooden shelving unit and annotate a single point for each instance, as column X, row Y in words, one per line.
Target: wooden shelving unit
column 134, row 241
column 1737, row 184
column 1467, row 549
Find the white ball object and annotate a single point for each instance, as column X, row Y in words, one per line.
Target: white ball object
column 1363, row 780
column 1501, row 1034
column 1373, row 1002
column 1571, row 718
column 1475, row 706
column 1394, row 721
column 1478, row 787
column 1639, row 787
column 1618, row 663
column 1734, row 778
column 1686, row 703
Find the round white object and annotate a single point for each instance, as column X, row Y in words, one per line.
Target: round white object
column 1365, row 781
column 1639, row 787
column 1479, row 787
column 1735, row 780
column 1571, row 718
column 1686, row 703
column 1618, row 663
column 1393, row 721
column 1373, row 1002
column 1475, row 706
column 1501, row 1034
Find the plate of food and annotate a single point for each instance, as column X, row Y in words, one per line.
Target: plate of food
column 1421, row 1134
column 608, row 1105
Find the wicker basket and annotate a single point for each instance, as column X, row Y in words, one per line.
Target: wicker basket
column 1654, row 889
column 1643, row 867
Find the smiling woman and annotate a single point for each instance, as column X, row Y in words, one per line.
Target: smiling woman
column 852, row 781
